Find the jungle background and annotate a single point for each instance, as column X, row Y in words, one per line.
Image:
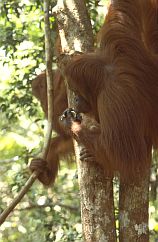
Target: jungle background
column 45, row 214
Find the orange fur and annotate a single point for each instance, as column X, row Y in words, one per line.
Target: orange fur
column 61, row 145
column 121, row 84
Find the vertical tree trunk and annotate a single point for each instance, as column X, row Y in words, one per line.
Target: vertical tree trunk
column 134, row 198
column 97, row 202
column 96, row 192
column 134, row 202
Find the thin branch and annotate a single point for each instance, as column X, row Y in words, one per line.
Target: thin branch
column 7, row 161
column 49, row 75
column 36, row 206
column 48, row 53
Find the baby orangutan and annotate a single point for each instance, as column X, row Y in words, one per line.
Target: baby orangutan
column 61, row 146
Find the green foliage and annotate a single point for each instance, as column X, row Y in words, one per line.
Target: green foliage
column 21, row 53
column 94, row 7
column 45, row 214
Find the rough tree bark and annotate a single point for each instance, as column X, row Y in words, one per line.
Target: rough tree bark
column 96, row 192
column 134, row 202
column 133, row 206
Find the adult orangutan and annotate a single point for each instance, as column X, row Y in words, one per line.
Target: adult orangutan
column 120, row 86
column 120, row 106
column 61, row 145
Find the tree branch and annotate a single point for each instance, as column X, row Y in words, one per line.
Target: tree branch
column 48, row 53
column 96, row 192
column 36, row 206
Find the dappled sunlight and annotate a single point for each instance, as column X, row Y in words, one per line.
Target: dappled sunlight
column 5, row 74
column 77, row 45
column 41, row 200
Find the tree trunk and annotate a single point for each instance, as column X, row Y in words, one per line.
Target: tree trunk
column 97, row 202
column 134, row 202
column 96, row 192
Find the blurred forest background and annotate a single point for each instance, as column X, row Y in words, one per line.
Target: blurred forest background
column 45, row 214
